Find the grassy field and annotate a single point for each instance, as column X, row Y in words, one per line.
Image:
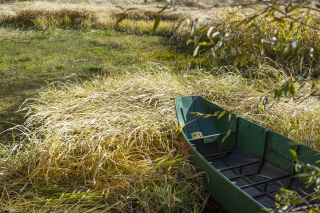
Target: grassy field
column 30, row 60
column 97, row 131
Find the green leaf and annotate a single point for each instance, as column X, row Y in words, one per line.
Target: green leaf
column 294, row 155
column 189, row 41
column 195, row 53
column 260, row 98
column 253, row 17
column 291, row 26
column 132, row 8
column 235, row 63
column 290, row 9
column 215, row 35
column 230, row 114
column 120, row 7
column 236, row 41
column 193, row 28
column 207, row 116
column 221, row 114
column 243, row 59
column 292, row 90
column 226, row 135
column 314, row 83
column 123, row 17
column 204, row 43
column 302, row 175
column 156, row 24
column 294, row 44
column 165, row 7
column 286, row 49
column 209, row 31
column 252, row 25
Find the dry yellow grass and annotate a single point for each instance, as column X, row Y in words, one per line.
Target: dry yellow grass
column 117, row 136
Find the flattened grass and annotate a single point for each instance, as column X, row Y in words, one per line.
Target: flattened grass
column 117, row 136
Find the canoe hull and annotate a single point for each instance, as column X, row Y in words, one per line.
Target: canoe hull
column 244, row 165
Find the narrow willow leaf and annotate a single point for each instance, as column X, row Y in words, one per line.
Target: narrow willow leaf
column 291, row 26
column 252, row 25
column 123, row 17
column 230, row 114
column 225, row 137
column 209, row 31
column 243, row 59
column 294, row 44
column 290, row 9
column 215, row 35
column 294, row 155
column 189, row 41
column 132, row 8
column 236, row 41
column 260, row 98
column 121, row 8
column 204, row 43
column 165, row 7
column 314, row 83
column 303, row 175
column 221, row 114
column 240, row 23
column 193, row 28
column 156, row 24
column 292, row 90
column 235, row 63
column 196, row 51
column 216, row 113
column 286, row 49
column 279, row 20
column 301, row 63
column 207, row 116
column 253, row 17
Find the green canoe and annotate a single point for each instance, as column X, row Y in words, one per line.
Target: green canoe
column 244, row 172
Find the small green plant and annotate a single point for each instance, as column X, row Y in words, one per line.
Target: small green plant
column 291, row 201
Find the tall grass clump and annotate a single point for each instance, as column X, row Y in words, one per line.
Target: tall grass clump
column 44, row 16
column 116, row 137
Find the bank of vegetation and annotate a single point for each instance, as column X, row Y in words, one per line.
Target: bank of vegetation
column 110, row 142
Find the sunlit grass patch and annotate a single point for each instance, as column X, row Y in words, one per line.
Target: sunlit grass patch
column 117, row 137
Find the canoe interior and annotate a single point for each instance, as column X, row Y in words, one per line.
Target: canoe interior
column 254, row 160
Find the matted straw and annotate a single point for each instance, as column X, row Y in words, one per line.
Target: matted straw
column 117, row 135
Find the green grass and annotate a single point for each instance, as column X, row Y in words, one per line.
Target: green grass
column 30, row 60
